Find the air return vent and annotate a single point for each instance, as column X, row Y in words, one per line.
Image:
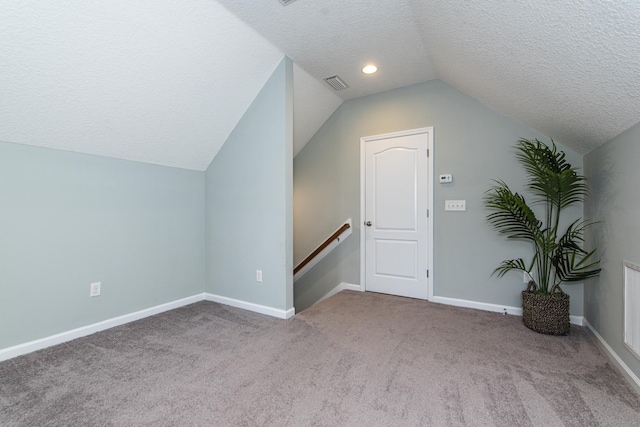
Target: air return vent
column 286, row 2
column 336, row 83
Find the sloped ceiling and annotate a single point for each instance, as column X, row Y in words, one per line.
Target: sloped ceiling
column 138, row 80
column 331, row 37
column 160, row 81
column 569, row 69
column 165, row 81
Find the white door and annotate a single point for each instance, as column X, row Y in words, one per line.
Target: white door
column 396, row 218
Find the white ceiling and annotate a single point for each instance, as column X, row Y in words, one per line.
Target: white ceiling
column 166, row 81
column 331, row 37
column 162, row 82
column 567, row 68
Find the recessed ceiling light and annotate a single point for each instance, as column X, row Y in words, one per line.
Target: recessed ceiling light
column 370, row 69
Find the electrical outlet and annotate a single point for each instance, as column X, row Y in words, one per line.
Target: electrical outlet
column 258, row 275
column 455, row 205
column 94, row 290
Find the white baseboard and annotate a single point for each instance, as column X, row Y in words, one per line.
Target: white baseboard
column 39, row 344
column 516, row 311
column 262, row 309
column 20, row 349
column 631, row 378
column 341, row 287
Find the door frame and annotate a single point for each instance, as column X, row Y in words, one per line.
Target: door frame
column 363, row 141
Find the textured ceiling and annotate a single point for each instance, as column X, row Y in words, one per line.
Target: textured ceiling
column 567, row 68
column 165, row 81
column 340, row 37
column 138, row 80
column 161, row 82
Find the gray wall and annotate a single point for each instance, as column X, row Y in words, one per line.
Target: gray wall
column 249, row 196
column 471, row 141
column 614, row 178
column 69, row 219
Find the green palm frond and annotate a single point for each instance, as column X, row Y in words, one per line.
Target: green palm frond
column 573, row 238
column 511, row 215
column 511, row 264
column 572, row 267
column 555, row 184
column 552, row 178
column 571, row 262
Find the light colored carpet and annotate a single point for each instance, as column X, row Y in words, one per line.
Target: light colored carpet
column 356, row 359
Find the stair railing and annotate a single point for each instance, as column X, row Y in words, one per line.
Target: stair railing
column 323, row 250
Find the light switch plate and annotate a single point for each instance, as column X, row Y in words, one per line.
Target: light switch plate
column 455, row 205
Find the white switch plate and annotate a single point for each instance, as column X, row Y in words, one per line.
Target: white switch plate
column 94, row 290
column 455, row 205
column 447, row 177
column 258, row 275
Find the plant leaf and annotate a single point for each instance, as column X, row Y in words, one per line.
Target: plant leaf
column 574, row 266
column 553, row 179
column 511, row 215
column 509, row 265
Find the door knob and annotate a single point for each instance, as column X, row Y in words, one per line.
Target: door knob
column 368, row 223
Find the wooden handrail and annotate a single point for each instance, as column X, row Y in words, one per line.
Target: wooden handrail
column 320, row 248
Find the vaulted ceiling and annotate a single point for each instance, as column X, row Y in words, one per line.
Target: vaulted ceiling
column 166, row 81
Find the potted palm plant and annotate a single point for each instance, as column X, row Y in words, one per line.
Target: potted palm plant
column 558, row 256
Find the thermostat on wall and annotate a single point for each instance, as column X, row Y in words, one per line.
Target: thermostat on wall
column 447, row 177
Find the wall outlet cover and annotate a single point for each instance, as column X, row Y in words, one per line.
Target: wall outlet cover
column 95, row 289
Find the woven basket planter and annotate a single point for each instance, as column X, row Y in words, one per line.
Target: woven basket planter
column 546, row 314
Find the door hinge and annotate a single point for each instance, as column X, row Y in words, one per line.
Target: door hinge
column 427, row 274
column 427, row 213
column 427, row 152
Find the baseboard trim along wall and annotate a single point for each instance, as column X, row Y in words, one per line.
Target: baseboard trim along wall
column 39, row 344
column 262, row 309
column 516, row 311
column 631, row 378
column 341, row 287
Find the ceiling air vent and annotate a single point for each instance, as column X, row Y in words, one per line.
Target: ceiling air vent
column 286, row 2
column 336, row 83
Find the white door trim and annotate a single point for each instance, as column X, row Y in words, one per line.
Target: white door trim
column 363, row 141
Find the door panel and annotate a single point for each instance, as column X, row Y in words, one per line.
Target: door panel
column 395, row 189
column 396, row 258
column 396, row 205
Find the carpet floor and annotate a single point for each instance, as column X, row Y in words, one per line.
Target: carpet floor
column 356, row 359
